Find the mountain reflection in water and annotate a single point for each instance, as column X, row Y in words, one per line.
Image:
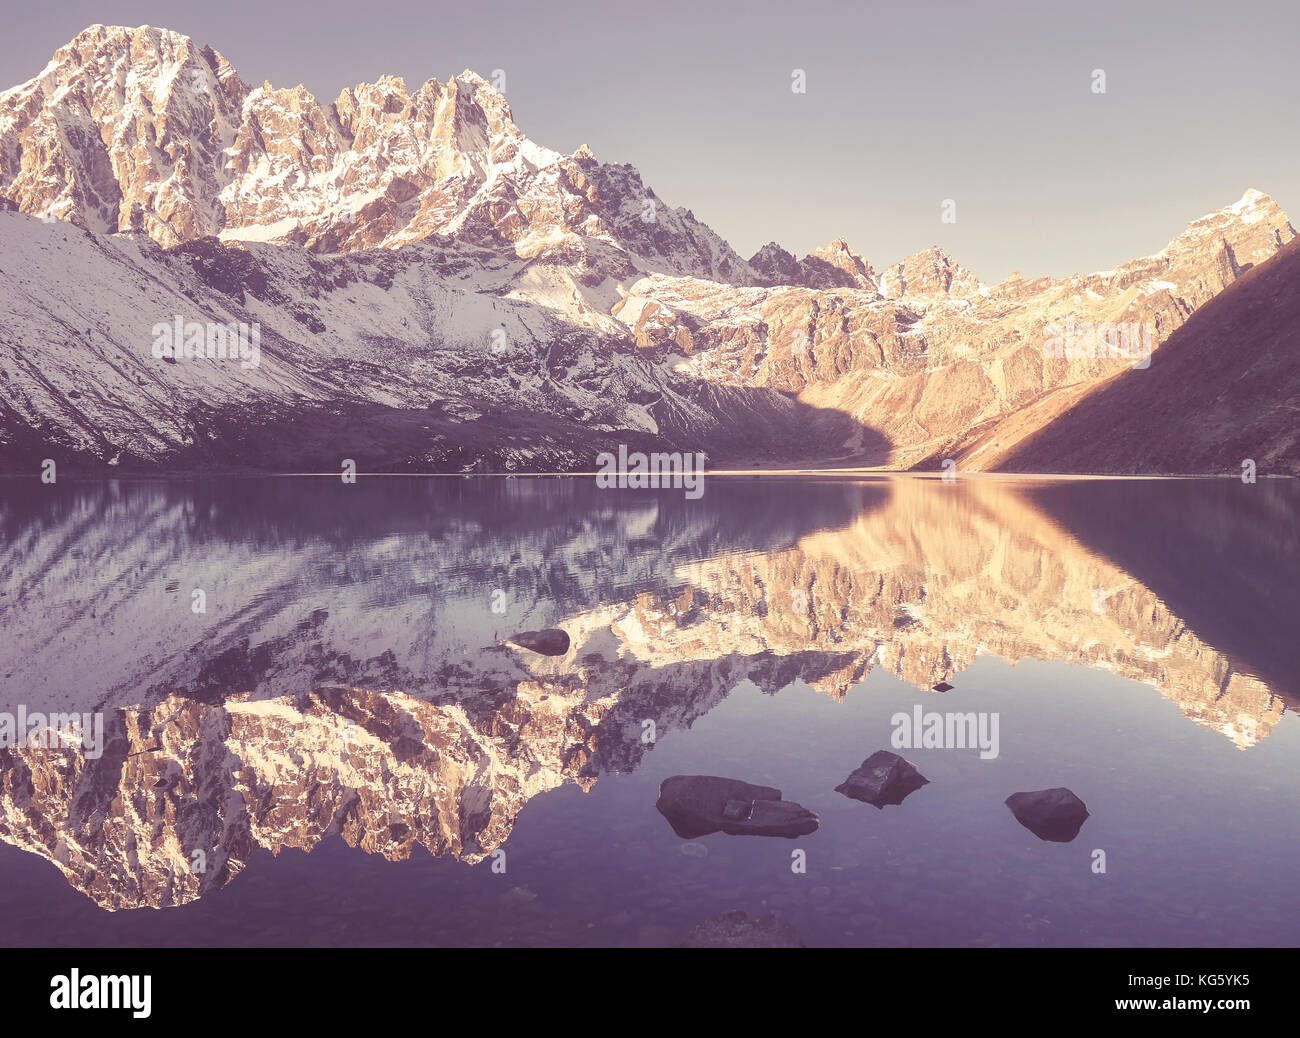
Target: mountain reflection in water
column 350, row 678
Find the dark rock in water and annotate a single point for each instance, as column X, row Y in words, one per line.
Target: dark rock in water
column 943, row 686
column 737, row 930
column 696, row 805
column 738, row 810
column 1050, row 814
column 550, row 642
column 883, row 778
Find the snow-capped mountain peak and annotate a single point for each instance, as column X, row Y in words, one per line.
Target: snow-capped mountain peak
column 143, row 129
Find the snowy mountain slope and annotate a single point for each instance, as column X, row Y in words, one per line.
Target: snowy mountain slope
column 430, row 357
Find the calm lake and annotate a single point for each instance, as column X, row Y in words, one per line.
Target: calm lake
column 314, row 731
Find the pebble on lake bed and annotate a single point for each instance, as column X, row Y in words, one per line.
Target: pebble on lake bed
column 737, row 930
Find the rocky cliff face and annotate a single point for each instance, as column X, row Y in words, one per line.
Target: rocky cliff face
column 931, row 273
column 121, row 128
column 440, row 292
column 1209, row 404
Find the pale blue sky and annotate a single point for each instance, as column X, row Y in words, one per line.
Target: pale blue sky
column 908, row 103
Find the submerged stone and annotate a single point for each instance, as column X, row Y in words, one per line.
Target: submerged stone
column 738, row 930
column 883, row 778
column 1050, row 814
column 696, row 805
column 550, row 642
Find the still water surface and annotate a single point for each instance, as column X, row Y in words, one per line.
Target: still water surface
column 345, row 737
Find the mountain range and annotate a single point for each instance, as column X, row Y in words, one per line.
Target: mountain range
column 436, row 292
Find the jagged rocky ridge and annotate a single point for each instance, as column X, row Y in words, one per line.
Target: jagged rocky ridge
column 438, row 292
column 143, row 129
